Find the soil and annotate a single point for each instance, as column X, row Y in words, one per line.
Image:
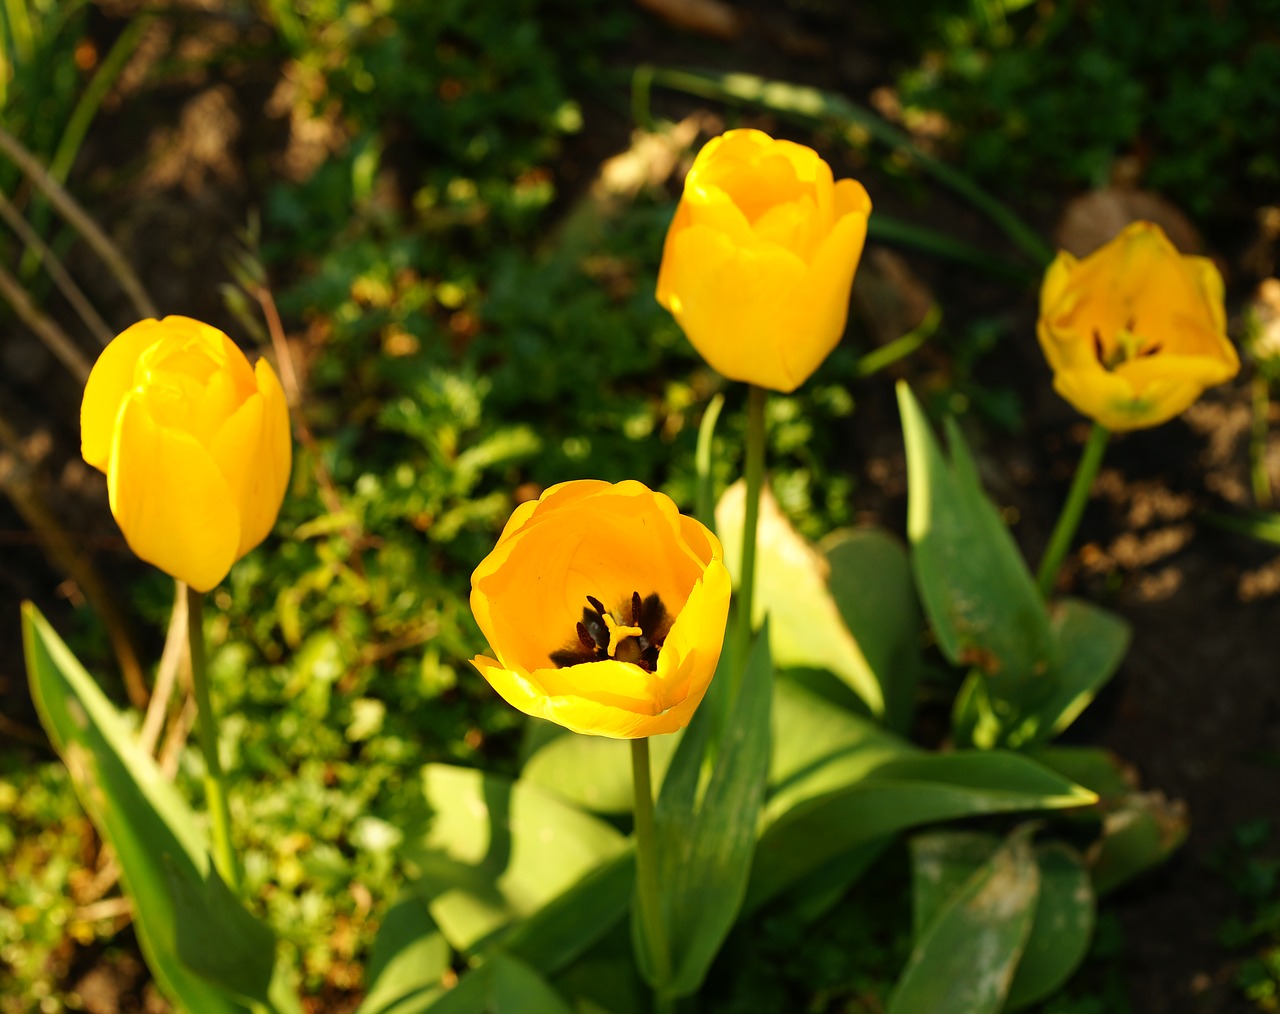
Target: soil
column 1195, row 707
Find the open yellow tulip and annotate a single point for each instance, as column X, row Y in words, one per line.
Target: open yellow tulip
column 606, row 609
column 1136, row 331
column 195, row 444
column 760, row 258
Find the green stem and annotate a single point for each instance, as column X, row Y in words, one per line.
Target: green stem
column 647, row 896
column 1069, row 520
column 899, row 348
column 1258, row 443
column 750, row 521
column 706, row 498
column 224, row 856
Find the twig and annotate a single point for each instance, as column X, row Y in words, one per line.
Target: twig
column 171, row 660
column 293, row 395
column 70, row 209
column 16, row 730
column 176, row 738
column 54, row 338
column 57, row 272
column 107, row 908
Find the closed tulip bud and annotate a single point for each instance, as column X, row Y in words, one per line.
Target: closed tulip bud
column 760, row 258
column 1136, row 331
column 606, row 610
column 194, row 442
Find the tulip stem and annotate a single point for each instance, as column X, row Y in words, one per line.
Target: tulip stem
column 1258, row 443
column 751, row 517
column 706, row 494
column 1069, row 520
column 224, row 856
column 647, row 898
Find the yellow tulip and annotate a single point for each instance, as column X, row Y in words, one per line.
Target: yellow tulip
column 760, row 257
column 1136, row 331
column 606, row 610
column 194, row 442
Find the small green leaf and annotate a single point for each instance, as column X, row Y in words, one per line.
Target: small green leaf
column 805, row 623
column 964, row 960
column 410, row 958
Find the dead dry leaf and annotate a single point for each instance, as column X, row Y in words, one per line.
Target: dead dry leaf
column 706, row 17
column 1098, row 216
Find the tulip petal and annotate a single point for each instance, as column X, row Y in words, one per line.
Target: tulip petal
column 170, row 499
column 253, row 451
column 735, row 304
column 822, row 299
column 589, row 717
column 111, row 378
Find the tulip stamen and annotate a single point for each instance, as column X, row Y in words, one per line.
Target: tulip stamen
column 603, row 635
column 1129, row 345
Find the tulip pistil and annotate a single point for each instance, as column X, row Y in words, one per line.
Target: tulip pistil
column 1129, row 345
column 633, row 633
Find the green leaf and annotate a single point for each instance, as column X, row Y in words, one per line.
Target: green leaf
column 217, row 938
column 981, row 600
column 1062, row 930
column 818, row 748
column 1064, row 910
column 154, row 833
column 593, row 772
column 502, row 985
column 705, row 846
column 872, row 585
column 1141, row 832
column 605, row 979
column 897, row 794
column 565, row 927
column 1090, row 644
column 805, row 624
column 1096, row 769
column 496, row 852
column 964, row 960
column 409, row 961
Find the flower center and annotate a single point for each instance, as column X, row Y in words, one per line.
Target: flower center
column 1127, row 345
column 634, row 633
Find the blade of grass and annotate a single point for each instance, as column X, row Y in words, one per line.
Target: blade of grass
column 73, row 293
column 896, row 232
column 78, row 218
column 82, row 118
column 1263, row 526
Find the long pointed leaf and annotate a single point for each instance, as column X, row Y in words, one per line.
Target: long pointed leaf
column 153, row 831
column 705, row 846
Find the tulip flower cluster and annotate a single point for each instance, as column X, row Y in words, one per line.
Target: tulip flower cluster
column 605, row 610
